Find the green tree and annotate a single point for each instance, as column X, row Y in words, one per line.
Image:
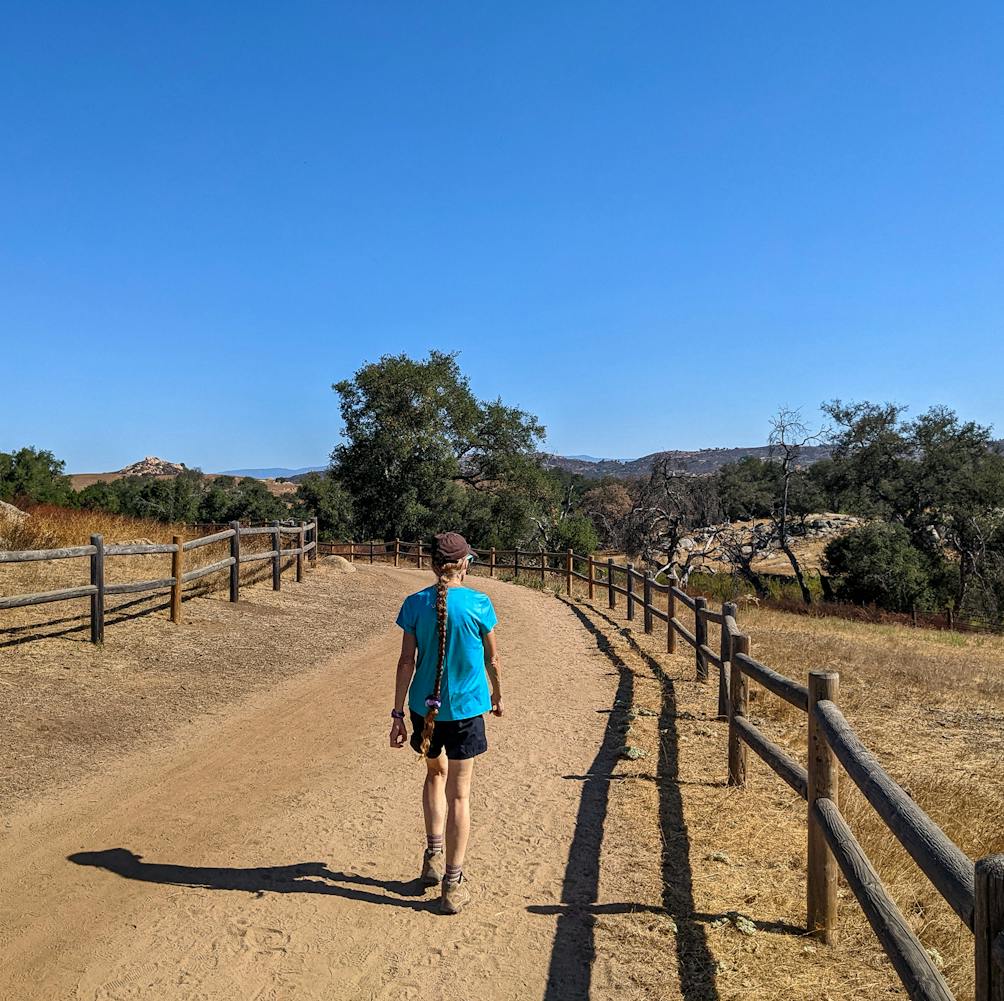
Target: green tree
column 876, row 563
column 937, row 476
column 33, row 474
column 420, row 452
column 321, row 495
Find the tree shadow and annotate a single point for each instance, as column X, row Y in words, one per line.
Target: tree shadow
column 301, row 877
column 695, row 964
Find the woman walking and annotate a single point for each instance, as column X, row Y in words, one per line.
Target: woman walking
column 448, row 657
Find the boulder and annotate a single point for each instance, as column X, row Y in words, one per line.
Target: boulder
column 338, row 563
column 10, row 513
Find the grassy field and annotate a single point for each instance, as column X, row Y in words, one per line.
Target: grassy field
column 930, row 705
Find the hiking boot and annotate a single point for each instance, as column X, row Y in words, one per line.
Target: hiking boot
column 455, row 897
column 432, row 868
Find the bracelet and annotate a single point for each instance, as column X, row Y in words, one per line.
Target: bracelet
column 397, row 713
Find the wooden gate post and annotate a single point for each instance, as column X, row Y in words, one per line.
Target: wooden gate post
column 648, row 602
column 515, row 564
column 277, row 559
column 568, row 573
column 397, row 552
column 725, row 654
column 421, row 559
column 701, row 634
column 738, row 699
column 630, row 592
column 352, row 551
column 591, row 572
column 98, row 598
column 611, row 593
column 315, row 551
column 671, row 614
column 177, row 569
column 988, row 924
column 235, row 555
column 491, row 562
column 821, row 866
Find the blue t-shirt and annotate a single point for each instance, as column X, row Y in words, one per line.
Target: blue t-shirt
column 469, row 618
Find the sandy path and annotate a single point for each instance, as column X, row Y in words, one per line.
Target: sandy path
column 278, row 844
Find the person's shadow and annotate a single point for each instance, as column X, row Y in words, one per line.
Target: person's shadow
column 302, row 877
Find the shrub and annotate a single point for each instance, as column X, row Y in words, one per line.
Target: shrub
column 877, row 564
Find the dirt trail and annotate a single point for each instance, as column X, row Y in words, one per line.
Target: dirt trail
column 269, row 853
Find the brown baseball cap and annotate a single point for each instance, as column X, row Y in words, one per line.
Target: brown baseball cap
column 450, row 547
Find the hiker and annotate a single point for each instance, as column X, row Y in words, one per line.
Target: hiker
column 451, row 630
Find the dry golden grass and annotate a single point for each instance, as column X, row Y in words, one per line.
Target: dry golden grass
column 929, row 704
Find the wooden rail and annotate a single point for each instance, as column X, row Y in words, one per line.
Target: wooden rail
column 99, row 587
column 975, row 892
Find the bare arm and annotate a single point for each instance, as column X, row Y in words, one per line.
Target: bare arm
column 402, row 679
column 493, row 666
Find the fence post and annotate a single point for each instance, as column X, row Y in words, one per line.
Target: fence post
column 592, row 570
column 725, row 654
column 648, row 602
column 352, row 551
column 568, row 573
column 397, row 552
column 421, row 562
column 821, row 866
column 738, row 698
column 515, row 564
column 630, row 592
column 177, row 569
column 277, row 559
column 611, row 593
column 671, row 614
column 491, row 562
column 315, row 552
column 988, row 924
column 543, row 564
column 235, row 555
column 301, row 539
column 701, row 635
column 371, row 552
column 98, row 598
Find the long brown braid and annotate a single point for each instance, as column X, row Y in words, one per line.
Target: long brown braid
column 443, row 571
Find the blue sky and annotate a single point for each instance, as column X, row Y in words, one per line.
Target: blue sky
column 649, row 223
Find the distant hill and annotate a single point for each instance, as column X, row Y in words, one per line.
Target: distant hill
column 273, row 472
column 699, row 463
column 153, row 466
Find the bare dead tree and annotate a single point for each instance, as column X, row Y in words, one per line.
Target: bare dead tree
column 671, row 505
column 743, row 545
column 788, row 437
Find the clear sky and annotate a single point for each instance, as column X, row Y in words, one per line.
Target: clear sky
column 648, row 223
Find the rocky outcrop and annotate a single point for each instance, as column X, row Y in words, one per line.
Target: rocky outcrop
column 152, row 466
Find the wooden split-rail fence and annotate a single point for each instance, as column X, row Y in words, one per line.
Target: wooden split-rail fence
column 305, row 539
column 975, row 891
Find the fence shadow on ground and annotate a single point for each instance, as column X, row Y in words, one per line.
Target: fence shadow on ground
column 301, row 877
column 574, row 946
column 134, row 608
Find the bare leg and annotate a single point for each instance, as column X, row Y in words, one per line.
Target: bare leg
column 458, row 823
column 434, row 795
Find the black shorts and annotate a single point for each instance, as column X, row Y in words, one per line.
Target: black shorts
column 462, row 738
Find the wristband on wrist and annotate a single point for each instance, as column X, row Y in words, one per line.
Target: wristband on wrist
column 397, row 713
